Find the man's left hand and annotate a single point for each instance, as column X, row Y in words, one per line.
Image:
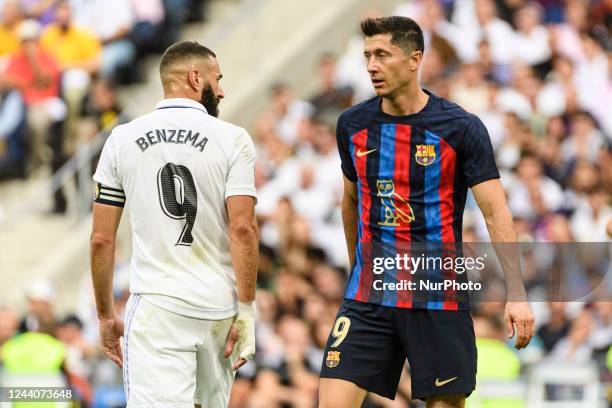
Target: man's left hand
column 519, row 315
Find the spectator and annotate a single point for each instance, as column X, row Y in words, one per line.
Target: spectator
column 330, row 98
column 79, row 353
column 11, row 18
column 584, row 141
column 556, row 328
column 147, row 34
column 12, row 132
column 41, row 10
column 498, row 33
column 601, row 338
column 567, row 34
column 103, row 106
column 9, row 324
column 326, row 160
column 74, row 48
column 288, row 113
column 593, row 80
column 302, row 360
column 40, row 316
column 559, row 94
column 176, row 13
column 534, row 195
column 552, row 163
column 592, row 215
column 77, row 51
column 575, row 346
column 482, row 23
column 34, row 354
column 36, row 74
column 507, row 9
column 531, row 42
column 309, row 199
column 351, row 68
column 553, row 10
column 470, row 90
column 101, row 112
column 584, row 178
column 496, row 360
column 111, row 21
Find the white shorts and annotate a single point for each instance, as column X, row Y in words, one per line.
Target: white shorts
column 171, row 360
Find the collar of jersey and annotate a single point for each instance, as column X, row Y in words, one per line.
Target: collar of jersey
column 180, row 103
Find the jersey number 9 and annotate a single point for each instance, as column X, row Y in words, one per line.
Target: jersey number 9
column 178, row 198
column 340, row 330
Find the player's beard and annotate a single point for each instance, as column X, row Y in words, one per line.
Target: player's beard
column 210, row 101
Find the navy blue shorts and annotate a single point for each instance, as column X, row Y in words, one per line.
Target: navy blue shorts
column 369, row 344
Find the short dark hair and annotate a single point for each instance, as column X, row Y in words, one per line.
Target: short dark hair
column 183, row 51
column 405, row 32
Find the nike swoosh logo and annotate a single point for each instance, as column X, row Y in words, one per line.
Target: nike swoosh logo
column 361, row 153
column 441, row 383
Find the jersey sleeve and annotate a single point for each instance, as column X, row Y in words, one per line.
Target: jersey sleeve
column 478, row 156
column 344, row 141
column 241, row 174
column 108, row 184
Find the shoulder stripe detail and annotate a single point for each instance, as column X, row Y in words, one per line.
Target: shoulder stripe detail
column 102, row 192
column 112, row 198
column 111, row 191
column 117, row 190
column 107, row 202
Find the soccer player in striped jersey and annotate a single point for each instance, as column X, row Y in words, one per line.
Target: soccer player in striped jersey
column 408, row 158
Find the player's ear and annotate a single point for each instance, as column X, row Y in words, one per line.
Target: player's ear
column 415, row 60
column 194, row 80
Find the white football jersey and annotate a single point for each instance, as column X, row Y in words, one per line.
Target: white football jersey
column 174, row 168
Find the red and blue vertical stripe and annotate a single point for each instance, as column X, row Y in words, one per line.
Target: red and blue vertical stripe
column 387, row 233
column 357, row 289
column 402, row 188
column 439, row 208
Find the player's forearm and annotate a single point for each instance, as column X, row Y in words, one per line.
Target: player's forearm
column 350, row 220
column 102, row 268
column 504, row 239
column 244, row 249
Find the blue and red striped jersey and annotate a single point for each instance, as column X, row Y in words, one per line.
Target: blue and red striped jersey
column 412, row 175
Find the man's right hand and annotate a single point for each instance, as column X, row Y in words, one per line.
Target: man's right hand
column 242, row 334
column 111, row 330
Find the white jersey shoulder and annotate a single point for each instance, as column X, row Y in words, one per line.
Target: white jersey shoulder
column 174, row 168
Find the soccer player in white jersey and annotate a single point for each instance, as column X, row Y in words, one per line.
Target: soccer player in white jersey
column 188, row 181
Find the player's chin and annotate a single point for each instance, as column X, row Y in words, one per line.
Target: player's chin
column 381, row 91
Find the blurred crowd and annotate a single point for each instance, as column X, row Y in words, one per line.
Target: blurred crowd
column 539, row 75
column 60, row 63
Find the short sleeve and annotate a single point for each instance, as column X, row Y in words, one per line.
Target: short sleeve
column 108, row 184
column 478, row 156
column 241, row 174
column 344, row 141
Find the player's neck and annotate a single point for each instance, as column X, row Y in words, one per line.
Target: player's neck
column 405, row 103
column 175, row 95
column 175, row 92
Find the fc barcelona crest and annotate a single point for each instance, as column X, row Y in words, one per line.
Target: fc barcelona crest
column 425, row 154
column 333, row 359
